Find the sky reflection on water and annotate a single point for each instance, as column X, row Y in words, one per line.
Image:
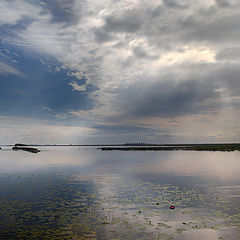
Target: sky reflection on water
column 89, row 194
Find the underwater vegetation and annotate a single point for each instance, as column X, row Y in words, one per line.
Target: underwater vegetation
column 35, row 206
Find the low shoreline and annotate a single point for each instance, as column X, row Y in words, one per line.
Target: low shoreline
column 188, row 147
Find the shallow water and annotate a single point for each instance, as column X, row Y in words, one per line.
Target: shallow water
column 78, row 193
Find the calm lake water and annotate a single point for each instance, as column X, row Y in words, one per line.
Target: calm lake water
column 78, row 193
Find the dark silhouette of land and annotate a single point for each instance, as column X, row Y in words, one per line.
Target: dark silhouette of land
column 175, row 147
column 137, row 147
column 25, row 147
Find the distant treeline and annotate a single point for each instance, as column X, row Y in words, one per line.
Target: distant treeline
column 146, row 146
column 139, row 144
column 183, row 147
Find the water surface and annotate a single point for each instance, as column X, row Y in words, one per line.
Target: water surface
column 74, row 193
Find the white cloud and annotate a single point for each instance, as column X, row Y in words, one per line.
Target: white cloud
column 46, row 38
column 8, row 69
column 25, row 130
column 118, row 44
column 76, row 87
column 14, row 10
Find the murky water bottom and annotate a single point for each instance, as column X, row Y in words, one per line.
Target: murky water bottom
column 73, row 194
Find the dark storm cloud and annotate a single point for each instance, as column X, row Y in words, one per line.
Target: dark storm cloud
column 174, row 4
column 129, row 22
column 164, row 29
column 228, row 77
column 198, row 28
column 126, row 23
column 203, row 89
column 102, row 36
column 140, row 53
column 216, row 31
column 223, row 3
column 228, row 54
column 64, row 11
column 169, row 99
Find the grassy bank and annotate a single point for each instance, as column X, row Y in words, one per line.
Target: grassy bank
column 187, row 147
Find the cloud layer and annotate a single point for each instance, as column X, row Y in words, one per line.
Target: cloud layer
column 138, row 64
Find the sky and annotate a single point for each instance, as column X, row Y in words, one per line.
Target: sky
column 91, row 72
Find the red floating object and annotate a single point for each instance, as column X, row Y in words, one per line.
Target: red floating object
column 172, row 207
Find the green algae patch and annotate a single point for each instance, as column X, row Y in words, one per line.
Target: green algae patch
column 180, row 230
column 163, row 225
column 164, row 236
